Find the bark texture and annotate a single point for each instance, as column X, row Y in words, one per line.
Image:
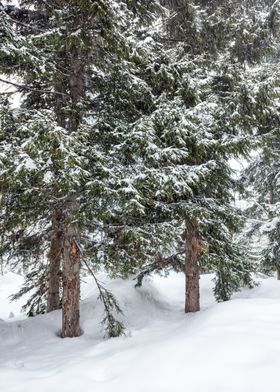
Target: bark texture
column 54, row 266
column 195, row 247
column 71, row 274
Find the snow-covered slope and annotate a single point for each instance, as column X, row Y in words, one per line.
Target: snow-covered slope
column 227, row 347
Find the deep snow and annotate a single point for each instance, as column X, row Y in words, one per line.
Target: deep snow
column 232, row 346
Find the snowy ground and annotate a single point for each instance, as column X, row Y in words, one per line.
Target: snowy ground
column 233, row 346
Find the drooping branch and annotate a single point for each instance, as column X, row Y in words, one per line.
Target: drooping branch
column 160, row 264
column 113, row 327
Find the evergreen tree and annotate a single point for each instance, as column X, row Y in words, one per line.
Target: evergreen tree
column 262, row 174
column 119, row 151
column 178, row 155
column 260, row 178
column 57, row 163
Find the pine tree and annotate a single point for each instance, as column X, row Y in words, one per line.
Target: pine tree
column 260, row 178
column 178, row 170
column 57, row 165
column 45, row 161
column 262, row 174
column 119, row 151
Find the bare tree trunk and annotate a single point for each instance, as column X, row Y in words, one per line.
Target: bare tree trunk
column 194, row 248
column 54, row 267
column 278, row 273
column 71, row 275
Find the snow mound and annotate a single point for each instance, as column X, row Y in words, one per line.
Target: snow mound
column 227, row 347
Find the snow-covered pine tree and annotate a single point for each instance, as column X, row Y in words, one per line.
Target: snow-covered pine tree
column 48, row 166
column 262, row 177
column 259, row 180
column 156, row 125
column 37, row 154
column 56, row 161
column 177, row 156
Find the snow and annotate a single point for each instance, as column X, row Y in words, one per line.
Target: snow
column 9, row 283
column 48, row 176
column 227, row 347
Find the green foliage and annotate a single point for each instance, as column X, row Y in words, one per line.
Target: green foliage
column 35, row 286
column 134, row 109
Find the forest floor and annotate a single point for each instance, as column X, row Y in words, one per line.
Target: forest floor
column 227, row 347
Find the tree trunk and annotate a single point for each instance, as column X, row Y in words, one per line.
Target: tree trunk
column 71, row 275
column 194, row 248
column 54, row 256
column 77, row 61
column 278, row 273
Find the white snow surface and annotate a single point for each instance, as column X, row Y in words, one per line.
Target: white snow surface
column 226, row 347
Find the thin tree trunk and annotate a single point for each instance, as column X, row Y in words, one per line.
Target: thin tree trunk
column 71, row 275
column 194, row 248
column 54, row 267
column 278, row 273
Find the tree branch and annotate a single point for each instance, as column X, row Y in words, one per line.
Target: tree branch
column 160, row 264
column 24, row 87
